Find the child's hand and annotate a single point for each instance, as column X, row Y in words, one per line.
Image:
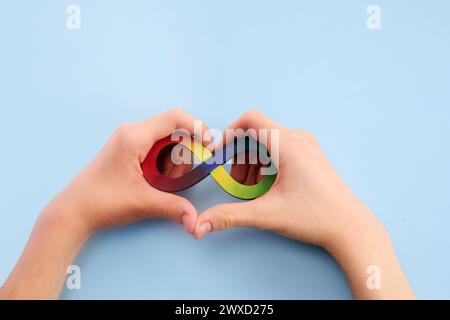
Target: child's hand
column 311, row 203
column 308, row 202
column 109, row 191
column 112, row 190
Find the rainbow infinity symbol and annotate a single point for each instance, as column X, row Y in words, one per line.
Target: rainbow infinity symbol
column 211, row 164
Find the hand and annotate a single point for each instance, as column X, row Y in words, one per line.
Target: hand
column 309, row 202
column 112, row 190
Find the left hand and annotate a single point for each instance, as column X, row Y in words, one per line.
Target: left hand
column 112, row 190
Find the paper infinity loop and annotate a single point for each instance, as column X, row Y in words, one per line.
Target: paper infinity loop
column 211, row 164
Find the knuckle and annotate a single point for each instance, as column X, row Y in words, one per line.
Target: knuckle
column 173, row 210
column 167, row 212
column 177, row 111
column 307, row 137
column 122, row 128
column 250, row 113
column 125, row 134
column 227, row 220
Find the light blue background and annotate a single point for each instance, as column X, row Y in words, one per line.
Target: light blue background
column 378, row 101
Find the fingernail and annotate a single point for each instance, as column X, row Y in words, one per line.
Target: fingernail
column 204, row 229
column 185, row 223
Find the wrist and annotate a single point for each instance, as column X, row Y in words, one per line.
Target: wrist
column 366, row 254
column 360, row 229
column 52, row 247
column 66, row 214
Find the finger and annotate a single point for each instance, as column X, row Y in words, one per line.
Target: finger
column 259, row 176
column 171, row 170
column 175, row 119
column 166, row 123
column 170, row 206
column 224, row 216
column 259, row 127
column 256, row 125
column 180, row 170
column 253, row 168
column 239, row 172
column 252, row 119
column 167, row 164
column 251, row 175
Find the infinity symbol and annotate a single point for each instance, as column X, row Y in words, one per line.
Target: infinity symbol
column 211, row 164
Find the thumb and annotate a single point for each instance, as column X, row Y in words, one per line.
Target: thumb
column 225, row 216
column 173, row 207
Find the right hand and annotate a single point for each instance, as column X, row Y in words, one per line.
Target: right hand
column 308, row 202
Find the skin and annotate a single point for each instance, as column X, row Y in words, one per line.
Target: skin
column 308, row 202
column 110, row 191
